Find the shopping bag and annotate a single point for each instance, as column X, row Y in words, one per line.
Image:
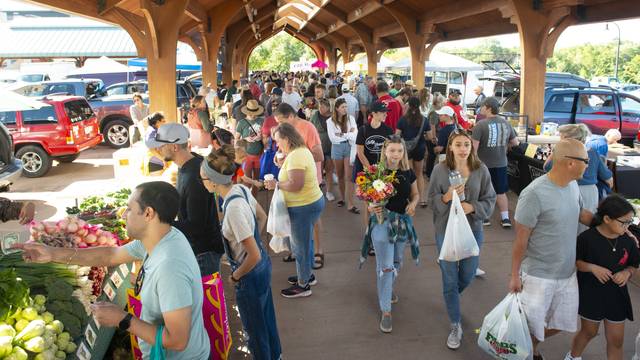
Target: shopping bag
column 267, row 166
column 214, row 312
column 459, row 242
column 134, row 307
column 504, row 333
column 278, row 222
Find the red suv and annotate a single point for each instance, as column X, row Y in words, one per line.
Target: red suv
column 57, row 132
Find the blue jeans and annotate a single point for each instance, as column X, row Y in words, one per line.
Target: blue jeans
column 303, row 218
column 209, row 262
column 255, row 304
column 388, row 262
column 456, row 276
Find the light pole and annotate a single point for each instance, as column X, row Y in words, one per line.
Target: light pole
column 618, row 49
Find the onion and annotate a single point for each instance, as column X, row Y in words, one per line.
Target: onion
column 49, row 229
column 81, row 223
column 72, row 228
column 102, row 240
column 63, row 224
column 83, row 232
column 78, row 239
column 90, row 239
column 39, row 226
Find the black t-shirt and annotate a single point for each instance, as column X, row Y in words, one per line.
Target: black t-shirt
column 398, row 203
column 372, row 139
column 410, row 132
column 596, row 299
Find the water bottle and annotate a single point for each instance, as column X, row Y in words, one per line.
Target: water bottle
column 456, row 179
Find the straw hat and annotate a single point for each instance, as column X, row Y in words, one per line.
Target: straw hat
column 253, row 108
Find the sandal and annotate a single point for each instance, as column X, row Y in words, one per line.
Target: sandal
column 318, row 261
column 288, row 258
column 354, row 210
column 340, row 203
column 423, row 204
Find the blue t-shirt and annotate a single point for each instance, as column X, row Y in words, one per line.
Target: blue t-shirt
column 172, row 281
column 443, row 134
column 410, row 132
column 595, row 171
column 599, row 144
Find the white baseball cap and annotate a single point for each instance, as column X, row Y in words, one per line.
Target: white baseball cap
column 446, row 110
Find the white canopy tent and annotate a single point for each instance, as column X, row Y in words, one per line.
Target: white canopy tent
column 101, row 65
column 361, row 64
column 438, row 61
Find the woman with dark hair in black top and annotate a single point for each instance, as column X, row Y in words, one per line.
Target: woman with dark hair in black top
column 606, row 258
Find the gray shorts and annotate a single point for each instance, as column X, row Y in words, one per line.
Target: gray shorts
column 341, row 151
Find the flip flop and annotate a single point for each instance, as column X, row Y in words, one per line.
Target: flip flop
column 354, row 210
column 318, row 261
column 288, row 258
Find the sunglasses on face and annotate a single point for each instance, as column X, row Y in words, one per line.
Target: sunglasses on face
column 584, row 160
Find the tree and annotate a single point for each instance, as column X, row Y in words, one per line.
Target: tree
column 278, row 52
column 486, row 50
column 631, row 72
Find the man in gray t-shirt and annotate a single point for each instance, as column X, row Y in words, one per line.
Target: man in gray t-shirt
column 547, row 217
column 491, row 139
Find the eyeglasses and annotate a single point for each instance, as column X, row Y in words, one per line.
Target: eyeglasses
column 584, row 160
column 625, row 223
column 140, row 278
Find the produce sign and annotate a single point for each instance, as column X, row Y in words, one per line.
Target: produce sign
column 27, row 329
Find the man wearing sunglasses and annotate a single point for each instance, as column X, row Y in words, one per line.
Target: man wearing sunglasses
column 197, row 215
column 169, row 283
column 543, row 266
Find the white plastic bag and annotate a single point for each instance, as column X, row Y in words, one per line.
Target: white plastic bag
column 504, row 333
column 278, row 222
column 459, row 242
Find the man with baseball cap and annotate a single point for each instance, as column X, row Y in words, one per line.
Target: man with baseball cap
column 447, row 126
column 197, row 215
column 454, row 102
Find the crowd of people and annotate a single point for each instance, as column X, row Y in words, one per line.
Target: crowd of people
column 324, row 130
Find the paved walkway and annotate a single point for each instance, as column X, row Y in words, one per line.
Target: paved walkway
column 340, row 319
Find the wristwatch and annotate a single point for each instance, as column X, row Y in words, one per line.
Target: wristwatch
column 125, row 323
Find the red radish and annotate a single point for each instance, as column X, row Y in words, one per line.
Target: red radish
column 83, row 232
column 72, row 228
column 90, row 239
column 82, row 245
column 49, row 229
column 78, row 239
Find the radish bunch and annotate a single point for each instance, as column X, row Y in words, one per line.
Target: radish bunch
column 72, row 232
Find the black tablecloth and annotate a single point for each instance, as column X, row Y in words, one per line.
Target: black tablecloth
column 522, row 170
column 627, row 181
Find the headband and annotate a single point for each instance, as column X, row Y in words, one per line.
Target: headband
column 214, row 176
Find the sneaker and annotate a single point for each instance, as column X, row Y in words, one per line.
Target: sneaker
column 293, row 280
column 569, row 357
column 486, row 222
column 480, row 272
column 296, row 291
column 506, row 223
column 330, row 196
column 394, row 299
column 385, row 323
column 455, row 336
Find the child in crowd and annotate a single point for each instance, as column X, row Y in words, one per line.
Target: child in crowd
column 241, row 155
column 606, row 258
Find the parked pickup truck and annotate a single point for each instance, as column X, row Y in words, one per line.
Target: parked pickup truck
column 60, row 131
column 599, row 108
column 112, row 111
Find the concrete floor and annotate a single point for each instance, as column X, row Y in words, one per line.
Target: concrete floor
column 340, row 319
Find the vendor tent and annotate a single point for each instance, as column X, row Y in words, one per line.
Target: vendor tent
column 101, row 65
column 360, row 64
column 438, row 61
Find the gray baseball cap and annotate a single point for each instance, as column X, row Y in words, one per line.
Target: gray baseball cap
column 169, row 134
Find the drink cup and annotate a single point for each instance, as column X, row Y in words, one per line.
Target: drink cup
column 268, row 177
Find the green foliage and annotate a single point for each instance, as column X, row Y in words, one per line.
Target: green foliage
column 14, row 293
column 591, row 60
column 278, row 52
column 487, row 49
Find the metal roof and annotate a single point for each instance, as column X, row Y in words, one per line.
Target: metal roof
column 71, row 41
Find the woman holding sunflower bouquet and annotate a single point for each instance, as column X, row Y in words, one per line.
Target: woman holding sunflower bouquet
column 391, row 190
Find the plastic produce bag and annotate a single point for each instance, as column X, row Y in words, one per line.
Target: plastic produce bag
column 278, row 222
column 504, row 333
column 459, row 242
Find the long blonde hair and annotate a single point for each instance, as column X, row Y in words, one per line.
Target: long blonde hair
column 395, row 139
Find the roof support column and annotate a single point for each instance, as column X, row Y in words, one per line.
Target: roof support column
column 539, row 32
column 411, row 28
column 162, row 27
column 333, row 60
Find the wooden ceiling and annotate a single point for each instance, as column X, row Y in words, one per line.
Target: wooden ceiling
column 340, row 23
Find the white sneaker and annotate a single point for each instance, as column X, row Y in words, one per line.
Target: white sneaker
column 480, row 272
column 569, row 357
column 330, row 196
column 455, row 336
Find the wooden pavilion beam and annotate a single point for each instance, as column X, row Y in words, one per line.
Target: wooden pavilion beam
column 196, row 11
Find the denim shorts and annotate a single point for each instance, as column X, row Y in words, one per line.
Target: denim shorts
column 341, row 151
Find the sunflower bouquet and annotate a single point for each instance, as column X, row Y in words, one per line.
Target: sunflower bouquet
column 375, row 185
